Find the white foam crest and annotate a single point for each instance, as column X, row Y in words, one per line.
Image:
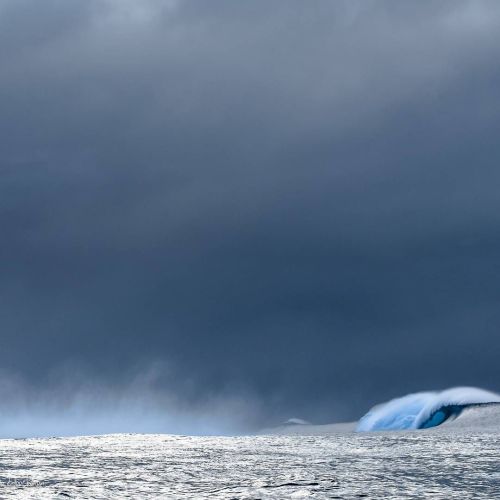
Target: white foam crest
column 459, row 396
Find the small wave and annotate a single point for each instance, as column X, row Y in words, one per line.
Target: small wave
column 424, row 409
column 296, row 421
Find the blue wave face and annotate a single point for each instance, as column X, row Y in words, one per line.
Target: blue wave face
column 442, row 415
column 423, row 409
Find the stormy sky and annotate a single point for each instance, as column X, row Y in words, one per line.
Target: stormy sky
column 292, row 203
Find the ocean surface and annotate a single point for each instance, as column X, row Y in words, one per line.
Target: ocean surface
column 452, row 462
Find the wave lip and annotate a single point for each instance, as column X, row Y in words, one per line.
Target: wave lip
column 423, row 410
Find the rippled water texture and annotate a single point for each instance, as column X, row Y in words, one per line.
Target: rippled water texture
column 414, row 464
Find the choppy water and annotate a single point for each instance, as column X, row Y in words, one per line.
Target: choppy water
column 416, row 464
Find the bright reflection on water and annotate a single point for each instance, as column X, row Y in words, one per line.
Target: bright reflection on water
column 418, row 464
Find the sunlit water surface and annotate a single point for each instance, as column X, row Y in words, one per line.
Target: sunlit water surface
column 418, row 464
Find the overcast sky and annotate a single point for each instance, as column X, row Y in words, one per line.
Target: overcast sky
column 297, row 202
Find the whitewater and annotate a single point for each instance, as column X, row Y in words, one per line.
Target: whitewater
column 399, row 449
column 424, row 409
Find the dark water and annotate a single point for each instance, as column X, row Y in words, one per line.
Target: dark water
column 418, row 464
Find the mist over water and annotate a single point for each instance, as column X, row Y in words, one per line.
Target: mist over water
column 80, row 405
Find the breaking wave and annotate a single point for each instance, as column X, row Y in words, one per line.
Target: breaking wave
column 424, row 409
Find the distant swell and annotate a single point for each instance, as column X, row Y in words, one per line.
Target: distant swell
column 423, row 410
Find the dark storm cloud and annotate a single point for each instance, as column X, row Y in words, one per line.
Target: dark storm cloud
column 290, row 200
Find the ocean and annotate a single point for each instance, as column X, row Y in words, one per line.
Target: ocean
column 443, row 463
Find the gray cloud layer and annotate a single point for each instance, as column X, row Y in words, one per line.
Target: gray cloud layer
column 294, row 199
